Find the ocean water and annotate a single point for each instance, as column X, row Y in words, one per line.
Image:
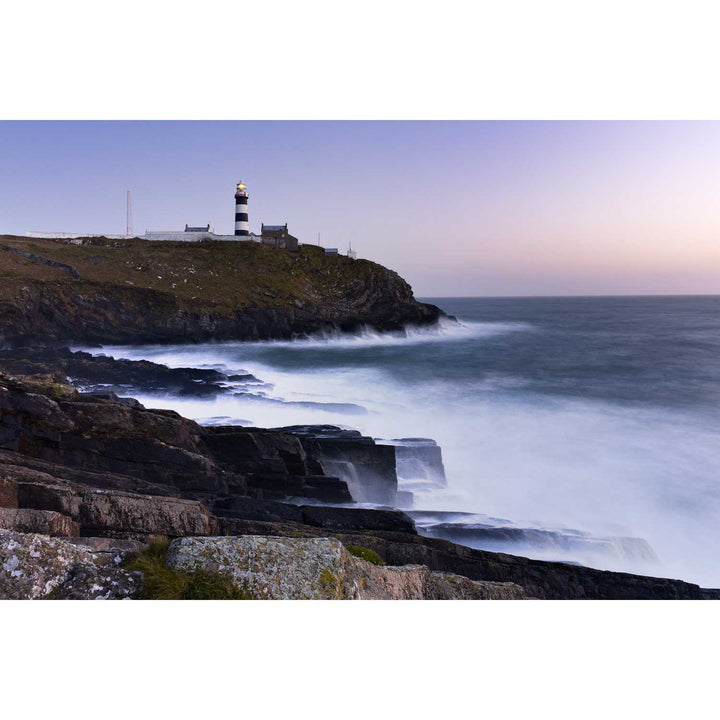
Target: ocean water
column 596, row 414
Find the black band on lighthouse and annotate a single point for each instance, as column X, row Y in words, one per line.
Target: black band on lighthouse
column 241, row 217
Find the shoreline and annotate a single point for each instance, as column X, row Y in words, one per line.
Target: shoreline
column 249, row 483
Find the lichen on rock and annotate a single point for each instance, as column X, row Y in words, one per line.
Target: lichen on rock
column 34, row 566
column 278, row 568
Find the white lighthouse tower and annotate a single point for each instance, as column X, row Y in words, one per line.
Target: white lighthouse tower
column 241, row 211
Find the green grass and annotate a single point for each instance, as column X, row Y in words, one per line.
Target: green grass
column 207, row 275
column 365, row 553
column 161, row 583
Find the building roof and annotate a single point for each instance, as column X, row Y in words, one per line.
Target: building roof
column 204, row 228
column 274, row 227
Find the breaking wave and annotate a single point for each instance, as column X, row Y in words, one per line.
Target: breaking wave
column 547, row 415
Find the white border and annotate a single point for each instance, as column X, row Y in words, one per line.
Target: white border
column 376, row 60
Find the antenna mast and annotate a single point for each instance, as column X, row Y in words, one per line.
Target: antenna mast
column 128, row 218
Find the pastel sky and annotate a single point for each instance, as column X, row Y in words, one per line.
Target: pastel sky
column 457, row 208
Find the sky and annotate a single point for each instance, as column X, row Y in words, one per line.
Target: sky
column 458, row 208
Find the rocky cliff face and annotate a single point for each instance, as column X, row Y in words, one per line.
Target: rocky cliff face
column 137, row 291
column 106, row 474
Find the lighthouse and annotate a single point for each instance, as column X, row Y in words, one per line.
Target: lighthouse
column 241, row 213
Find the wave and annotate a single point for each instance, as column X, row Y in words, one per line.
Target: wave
column 510, row 450
column 445, row 330
column 223, row 355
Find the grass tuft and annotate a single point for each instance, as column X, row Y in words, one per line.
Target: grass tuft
column 365, row 553
column 161, row 583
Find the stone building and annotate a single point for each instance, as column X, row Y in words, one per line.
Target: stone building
column 278, row 236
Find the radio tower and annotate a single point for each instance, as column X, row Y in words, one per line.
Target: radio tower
column 128, row 220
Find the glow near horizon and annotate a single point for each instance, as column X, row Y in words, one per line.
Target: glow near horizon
column 457, row 208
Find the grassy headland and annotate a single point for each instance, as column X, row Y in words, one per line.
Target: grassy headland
column 100, row 290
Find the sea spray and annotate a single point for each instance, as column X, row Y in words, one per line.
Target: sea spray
column 594, row 415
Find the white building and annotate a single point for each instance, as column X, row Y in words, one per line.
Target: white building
column 195, row 234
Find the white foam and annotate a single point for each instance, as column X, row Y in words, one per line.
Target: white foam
column 543, row 462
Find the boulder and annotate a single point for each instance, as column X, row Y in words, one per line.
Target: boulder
column 268, row 568
column 275, row 568
column 34, row 566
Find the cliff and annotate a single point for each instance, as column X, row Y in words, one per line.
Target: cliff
column 134, row 291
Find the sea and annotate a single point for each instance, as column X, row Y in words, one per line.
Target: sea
column 591, row 415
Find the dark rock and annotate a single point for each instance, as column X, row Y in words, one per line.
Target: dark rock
column 45, row 522
column 561, row 545
column 113, row 512
column 352, row 519
column 106, row 436
column 8, row 491
column 129, row 472
column 16, row 467
column 247, row 508
column 240, row 526
column 105, row 376
column 330, row 432
column 419, row 459
column 108, row 513
column 112, row 397
column 540, row 579
column 47, row 493
column 326, row 489
column 367, row 468
column 251, row 450
column 275, row 464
